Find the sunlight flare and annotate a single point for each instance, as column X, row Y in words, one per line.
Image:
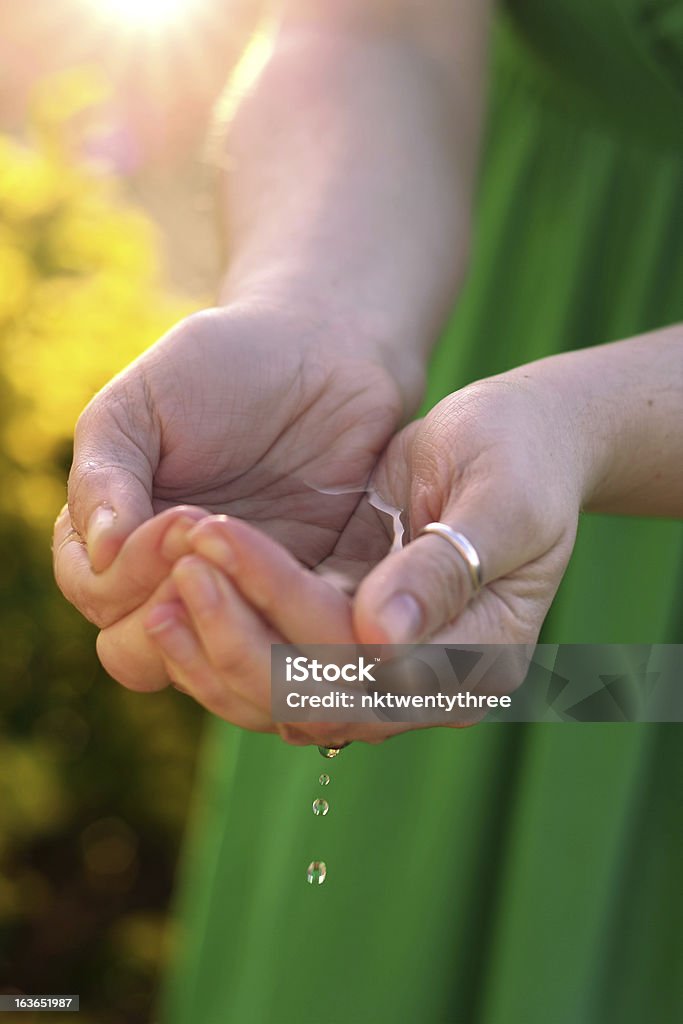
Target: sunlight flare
column 145, row 13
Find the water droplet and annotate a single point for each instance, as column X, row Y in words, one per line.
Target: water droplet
column 317, row 870
column 330, row 751
column 320, row 807
column 324, row 780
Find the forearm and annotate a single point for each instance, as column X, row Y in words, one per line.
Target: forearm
column 349, row 179
column 622, row 409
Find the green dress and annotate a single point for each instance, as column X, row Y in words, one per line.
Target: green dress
column 501, row 874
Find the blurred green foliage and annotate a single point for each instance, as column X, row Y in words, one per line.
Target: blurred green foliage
column 94, row 781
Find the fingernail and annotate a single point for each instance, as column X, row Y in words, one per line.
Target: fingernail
column 197, row 584
column 100, row 524
column 175, row 542
column 173, row 637
column 217, row 549
column 161, row 618
column 176, row 642
column 401, row 619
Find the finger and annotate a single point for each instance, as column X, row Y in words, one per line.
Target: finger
column 110, row 483
column 301, row 605
column 206, row 656
column 142, row 563
column 126, row 651
column 137, row 658
column 427, row 584
column 234, row 637
column 186, row 663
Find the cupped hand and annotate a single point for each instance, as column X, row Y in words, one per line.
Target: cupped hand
column 234, row 595
column 239, row 410
column 496, row 463
column 492, row 461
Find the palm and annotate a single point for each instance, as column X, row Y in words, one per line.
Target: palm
column 265, row 435
column 463, row 455
column 380, row 521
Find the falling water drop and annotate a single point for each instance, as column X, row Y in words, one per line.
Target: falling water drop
column 324, row 779
column 330, row 751
column 320, row 807
column 317, row 870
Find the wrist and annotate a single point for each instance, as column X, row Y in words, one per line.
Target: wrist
column 622, row 406
column 573, row 432
column 329, row 326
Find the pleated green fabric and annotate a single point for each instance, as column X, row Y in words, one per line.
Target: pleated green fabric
column 501, row 874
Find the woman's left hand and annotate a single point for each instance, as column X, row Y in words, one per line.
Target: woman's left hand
column 498, row 463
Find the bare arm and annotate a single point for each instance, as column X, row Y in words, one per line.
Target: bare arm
column 622, row 405
column 349, row 170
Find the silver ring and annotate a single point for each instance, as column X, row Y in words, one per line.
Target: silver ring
column 463, row 546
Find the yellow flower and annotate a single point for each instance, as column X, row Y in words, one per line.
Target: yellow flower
column 94, row 234
column 16, row 277
column 80, row 298
column 30, row 185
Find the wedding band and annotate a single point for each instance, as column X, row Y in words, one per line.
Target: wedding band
column 463, row 546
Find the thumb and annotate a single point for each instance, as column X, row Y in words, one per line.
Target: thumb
column 110, row 483
column 414, row 592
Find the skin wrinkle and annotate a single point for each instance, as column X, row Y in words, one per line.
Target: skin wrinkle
column 85, row 477
column 273, row 454
column 130, row 415
column 82, row 473
column 344, row 404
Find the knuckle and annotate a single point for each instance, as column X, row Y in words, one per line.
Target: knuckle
column 91, row 607
column 94, row 612
column 198, row 329
column 123, row 407
column 86, row 477
column 93, row 416
column 263, row 600
column 452, row 587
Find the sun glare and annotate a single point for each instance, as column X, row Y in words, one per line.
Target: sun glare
column 145, row 13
